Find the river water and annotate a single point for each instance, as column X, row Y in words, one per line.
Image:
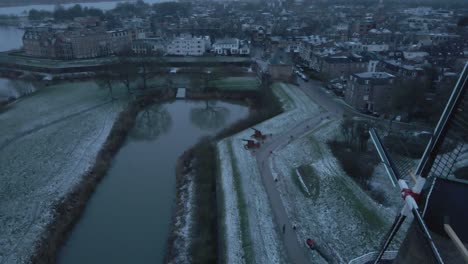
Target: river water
column 11, row 38
column 128, row 218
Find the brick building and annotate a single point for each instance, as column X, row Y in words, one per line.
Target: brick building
column 334, row 67
column 370, row 91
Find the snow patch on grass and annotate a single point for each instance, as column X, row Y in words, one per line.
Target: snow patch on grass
column 65, row 130
column 343, row 220
column 265, row 239
column 263, row 232
column 233, row 240
column 184, row 222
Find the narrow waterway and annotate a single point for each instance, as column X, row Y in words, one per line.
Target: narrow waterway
column 128, row 218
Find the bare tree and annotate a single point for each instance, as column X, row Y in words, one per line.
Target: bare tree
column 126, row 72
column 106, row 82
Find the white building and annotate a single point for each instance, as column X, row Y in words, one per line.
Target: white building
column 244, row 49
column 231, row 46
column 226, row 46
column 186, row 45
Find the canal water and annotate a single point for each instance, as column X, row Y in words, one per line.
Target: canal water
column 128, row 218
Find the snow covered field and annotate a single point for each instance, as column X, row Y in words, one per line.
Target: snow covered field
column 231, row 217
column 14, row 88
column 184, row 222
column 343, row 220
column 47, row 142
column 262, row 233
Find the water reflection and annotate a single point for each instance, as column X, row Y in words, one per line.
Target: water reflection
column 129, row 216
column 151, row 122
column 210, row 117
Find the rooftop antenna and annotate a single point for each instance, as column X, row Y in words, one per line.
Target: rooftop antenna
column 411, row 195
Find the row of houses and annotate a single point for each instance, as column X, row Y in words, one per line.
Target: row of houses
column 85, row 43
column 188, row 45
column 80, row 43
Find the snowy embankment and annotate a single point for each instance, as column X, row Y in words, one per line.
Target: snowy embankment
column 47, row 143
column 231, row 216
column 14, row 89
column 184, row 221
column 343, row 220
column 297, row 108
column 260, row 239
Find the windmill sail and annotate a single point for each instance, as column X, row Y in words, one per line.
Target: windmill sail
column 442, row 181
column 444, row 164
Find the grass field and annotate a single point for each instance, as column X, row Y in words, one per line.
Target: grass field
column 48, row 140
column 236, row 84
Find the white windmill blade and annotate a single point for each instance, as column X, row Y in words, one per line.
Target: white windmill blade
column 409, row 195
column 392, row 172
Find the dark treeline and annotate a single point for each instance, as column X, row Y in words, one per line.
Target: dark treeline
column 139, row 8
column 43, row 2
column 63, row 14
column 399, row 3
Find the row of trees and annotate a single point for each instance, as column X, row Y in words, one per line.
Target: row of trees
column 133, row 74
column 125, row 9
column 62, row 14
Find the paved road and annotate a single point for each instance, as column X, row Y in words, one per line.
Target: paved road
column 325, row 98
column 296, row 250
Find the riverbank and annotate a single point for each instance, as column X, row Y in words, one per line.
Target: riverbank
column 195, row 234
column 68, row 211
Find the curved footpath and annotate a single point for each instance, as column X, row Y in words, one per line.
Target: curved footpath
column 259, row 222
column 296, row 250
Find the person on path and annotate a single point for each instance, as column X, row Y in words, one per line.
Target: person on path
column 284, row 228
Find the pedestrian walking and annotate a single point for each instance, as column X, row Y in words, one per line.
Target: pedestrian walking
column 284, row 228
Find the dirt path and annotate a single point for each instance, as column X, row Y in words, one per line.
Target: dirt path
column 297, row 251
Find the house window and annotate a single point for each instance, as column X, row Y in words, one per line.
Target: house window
column 365, row 98
column 367, row 81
